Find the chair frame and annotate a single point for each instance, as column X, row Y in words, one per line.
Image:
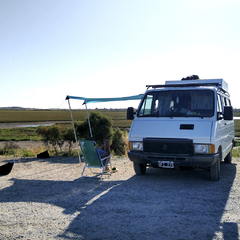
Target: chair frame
column 99, row 161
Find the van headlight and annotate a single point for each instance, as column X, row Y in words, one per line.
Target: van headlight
column 136, row 146
column 204, row 149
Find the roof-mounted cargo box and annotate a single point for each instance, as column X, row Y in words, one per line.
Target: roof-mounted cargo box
column 201, row 82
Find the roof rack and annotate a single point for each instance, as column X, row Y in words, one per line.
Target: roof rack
column 184, row 85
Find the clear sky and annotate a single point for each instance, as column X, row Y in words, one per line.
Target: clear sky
column 113, row 48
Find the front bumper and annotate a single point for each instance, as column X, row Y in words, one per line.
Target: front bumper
column 202, row 161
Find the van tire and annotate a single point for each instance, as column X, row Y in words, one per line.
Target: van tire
column 215, row 170
column 228, row 158
column 139, row 169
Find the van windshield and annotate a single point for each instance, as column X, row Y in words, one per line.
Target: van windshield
column 178, row 103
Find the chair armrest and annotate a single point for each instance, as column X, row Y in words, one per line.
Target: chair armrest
column 106, row 157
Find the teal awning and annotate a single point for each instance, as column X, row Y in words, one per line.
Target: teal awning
column 88, row 100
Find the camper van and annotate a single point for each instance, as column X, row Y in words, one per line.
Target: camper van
column 183, row 124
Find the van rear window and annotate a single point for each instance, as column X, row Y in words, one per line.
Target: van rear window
column 179, row 103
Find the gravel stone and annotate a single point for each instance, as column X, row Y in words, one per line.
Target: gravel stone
column 48, row 199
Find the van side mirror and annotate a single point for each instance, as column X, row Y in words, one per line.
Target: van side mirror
column 130, row 113
column 228, row 113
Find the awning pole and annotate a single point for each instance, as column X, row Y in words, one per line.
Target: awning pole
column 74, row 131
column 88, row 121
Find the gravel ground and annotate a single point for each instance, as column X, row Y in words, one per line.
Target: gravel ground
column 47, row 199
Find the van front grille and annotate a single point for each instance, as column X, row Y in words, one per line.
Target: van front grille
column 168, row 146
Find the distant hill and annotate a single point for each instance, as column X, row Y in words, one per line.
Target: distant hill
column 16, row 108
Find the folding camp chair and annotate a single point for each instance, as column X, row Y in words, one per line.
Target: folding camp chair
column 93, row 160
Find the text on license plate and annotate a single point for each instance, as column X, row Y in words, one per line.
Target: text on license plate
column 166, row 164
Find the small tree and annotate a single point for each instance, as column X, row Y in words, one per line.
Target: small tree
column 43, row 132
column 52, row 135
column 70, row 138
column 56, row 139
column 101, row 127
column 82, row 129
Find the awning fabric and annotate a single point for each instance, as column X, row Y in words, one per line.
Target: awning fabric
column 92, row 100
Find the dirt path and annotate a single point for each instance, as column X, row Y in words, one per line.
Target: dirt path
column 47, row 199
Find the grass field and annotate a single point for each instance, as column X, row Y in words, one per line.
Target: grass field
column 11, row 116
column 29, row 133
column 20, row 134
column 8, row 116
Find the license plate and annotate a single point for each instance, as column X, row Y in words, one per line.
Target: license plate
column 166, row 164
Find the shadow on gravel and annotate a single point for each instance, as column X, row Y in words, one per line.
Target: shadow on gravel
column 51, row 160
column 163, row 204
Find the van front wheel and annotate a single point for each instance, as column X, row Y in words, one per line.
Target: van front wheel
column 139, row 169
column 215, row 170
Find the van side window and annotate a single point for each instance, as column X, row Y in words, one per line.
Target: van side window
column 227, row 102
column 219, row 104
column 146, row 106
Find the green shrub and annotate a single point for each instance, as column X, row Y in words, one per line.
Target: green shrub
column 237, row 142
column 10, row 148
column 69, row 137
column 236, row 152
column 118, row 143
column 27, row 153
column 52, row 135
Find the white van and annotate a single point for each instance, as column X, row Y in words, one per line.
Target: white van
column 186, row 123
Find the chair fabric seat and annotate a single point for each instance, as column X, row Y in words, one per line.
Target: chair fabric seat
column 92, row 158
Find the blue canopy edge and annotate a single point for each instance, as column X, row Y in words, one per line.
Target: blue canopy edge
column 88, row 100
